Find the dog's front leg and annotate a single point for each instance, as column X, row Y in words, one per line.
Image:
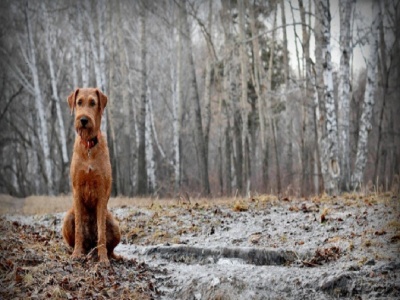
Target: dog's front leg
column 78, row 248
column 101, row 214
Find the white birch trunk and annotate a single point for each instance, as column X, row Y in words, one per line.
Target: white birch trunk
column 133, row 132
column 74, row 68
column 346, row 7
column 153, row 129
column 258, row 76
column 55, row 95
column 368, row 104
column 33, row 163
column 177, row 106
column 176, row 130
column 43, row 134
column 98, row 72
column 330, row 163
column 285, row 99
column 102, row 64
column 84, row 62
column 207, row 88
column 150, row 162
column 195, row 98
column 244, row 105
column 142, row 177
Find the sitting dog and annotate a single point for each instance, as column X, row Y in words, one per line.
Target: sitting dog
column 88, row 224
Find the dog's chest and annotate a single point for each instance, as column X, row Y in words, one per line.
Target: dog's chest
column 89, row 182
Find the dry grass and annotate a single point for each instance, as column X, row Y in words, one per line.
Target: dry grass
column 240, row 205
column 41, row 205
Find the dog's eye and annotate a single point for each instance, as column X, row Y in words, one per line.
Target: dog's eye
column 79, row 102
column 92, row 103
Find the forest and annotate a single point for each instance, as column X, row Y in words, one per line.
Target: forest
column 210, row 98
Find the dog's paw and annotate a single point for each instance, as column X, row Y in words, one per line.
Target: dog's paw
column 77, row 254
column 104, row 261
column 116, row 257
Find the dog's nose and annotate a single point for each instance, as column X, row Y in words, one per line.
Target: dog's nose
column 84, row 121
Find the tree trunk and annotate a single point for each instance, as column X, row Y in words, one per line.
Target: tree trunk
column 55, row 95
column 142, row 169
column 207, row 88
column 84, row 61
column 368, row 104
column 384, row 74
column 330, row 162
column 199, row 136
column 98, row 55
column 150, row 162
column 228, row 161
column 296, row 46
column 319, row 110
column 288, row 114
column 177, row 112
column 177, row 105
column 126, row 165
column 43, row 133
column 271, row 117
column 243, row 103
column 111, row 112
column 346, row 7
column 101, row 8
column 307, row 132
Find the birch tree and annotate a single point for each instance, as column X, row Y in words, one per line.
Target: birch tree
column 195, row 101
column 127, row 167
column 142, row 169
column 368, row 103
column 97, row 49
column 346, row 7
column 233, row 134
column 286, row 87
column 307, row 122
column 329, row 144
column 83, row 57
column 243, row 98
column 55, row 95
column 271, row 118
column 150, row 162
column 177, row 99
column 43, row 132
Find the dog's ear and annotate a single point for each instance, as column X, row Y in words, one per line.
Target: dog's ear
column 102, row 100
column 72, row 100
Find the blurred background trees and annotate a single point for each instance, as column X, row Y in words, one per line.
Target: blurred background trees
column 206, row 97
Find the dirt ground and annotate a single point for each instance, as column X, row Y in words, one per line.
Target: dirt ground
column 258, row 248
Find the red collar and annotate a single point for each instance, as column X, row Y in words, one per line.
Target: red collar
column 89, row 144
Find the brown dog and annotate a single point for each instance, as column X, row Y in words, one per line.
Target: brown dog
column 88, row 224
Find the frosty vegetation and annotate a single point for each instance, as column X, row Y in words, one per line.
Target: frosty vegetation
column 206, row 97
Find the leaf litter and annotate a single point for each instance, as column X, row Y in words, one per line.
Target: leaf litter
column 248, row 249
column 35, row 264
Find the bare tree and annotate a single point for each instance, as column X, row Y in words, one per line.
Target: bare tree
column 49, row 35
column 346, row 8
column 329, row 143
column 142, row 169
column 195, row 101
column 43, row 132
column 368, row 104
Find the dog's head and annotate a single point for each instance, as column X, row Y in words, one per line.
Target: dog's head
column 89, row 104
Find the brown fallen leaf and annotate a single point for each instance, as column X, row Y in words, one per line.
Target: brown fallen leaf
column 380, row 232
column 395, row 239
